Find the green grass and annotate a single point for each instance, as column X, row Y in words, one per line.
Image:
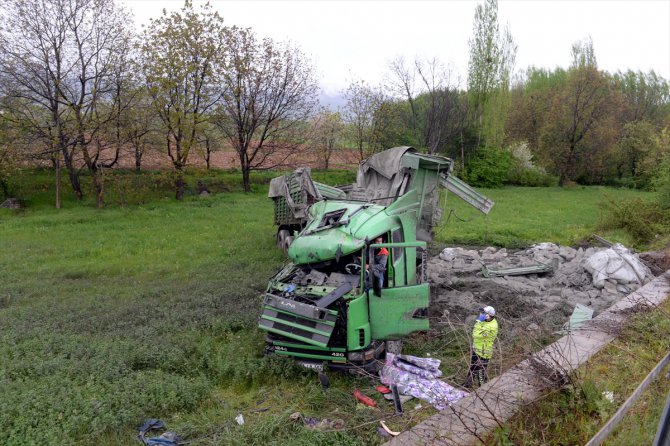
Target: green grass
column 524, row 215
column 574, row 415
column 148, row 309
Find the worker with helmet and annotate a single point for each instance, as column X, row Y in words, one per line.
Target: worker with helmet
column 484, row 335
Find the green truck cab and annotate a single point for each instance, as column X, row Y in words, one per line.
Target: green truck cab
column 340, row 302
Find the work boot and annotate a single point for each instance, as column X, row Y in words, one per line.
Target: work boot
column 467, row 384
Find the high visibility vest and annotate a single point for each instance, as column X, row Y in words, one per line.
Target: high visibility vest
column 483, row 336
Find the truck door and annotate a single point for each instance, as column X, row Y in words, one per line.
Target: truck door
column 397, row 311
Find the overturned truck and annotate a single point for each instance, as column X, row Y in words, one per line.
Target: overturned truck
column 356, row 281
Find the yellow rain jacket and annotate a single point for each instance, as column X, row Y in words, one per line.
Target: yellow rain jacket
column 483, row 336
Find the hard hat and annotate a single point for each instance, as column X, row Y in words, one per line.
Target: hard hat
column 489, row 310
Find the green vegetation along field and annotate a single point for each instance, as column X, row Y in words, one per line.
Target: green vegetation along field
column 148, row 311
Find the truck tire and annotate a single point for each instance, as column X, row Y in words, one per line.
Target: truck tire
column 394, row 346
column 287, row 242
column 281, row 238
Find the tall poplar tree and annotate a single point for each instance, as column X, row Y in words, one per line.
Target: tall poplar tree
column 492, row 57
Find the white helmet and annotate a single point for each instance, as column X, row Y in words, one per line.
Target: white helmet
column 489, row 310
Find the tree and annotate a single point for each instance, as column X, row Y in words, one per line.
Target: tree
column 580, row 127
column 60, row 60
column 492, row 56
column 645, row 95
column 362, row 102
column 209, row 142
column 268, row 92
column 140, row 126
column 433, row 102
column 328, row 129
column 181, row 54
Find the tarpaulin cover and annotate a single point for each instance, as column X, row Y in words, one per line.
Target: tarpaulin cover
column 381, row 175
column 418, row 377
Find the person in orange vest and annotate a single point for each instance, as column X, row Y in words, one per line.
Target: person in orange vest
column 381, row 259
column 484, row 335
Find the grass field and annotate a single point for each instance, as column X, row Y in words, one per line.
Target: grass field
column 147, row 309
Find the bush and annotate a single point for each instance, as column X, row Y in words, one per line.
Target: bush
column 534, row 177
column 642, row 219
column 490, row 168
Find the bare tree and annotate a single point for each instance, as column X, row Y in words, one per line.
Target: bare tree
column 403, row 84
column 268, row 92
column 359, row 113
column 180, row 54
column 62, row 60
column 328, row 129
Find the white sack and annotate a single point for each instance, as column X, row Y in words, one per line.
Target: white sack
column 616, row 263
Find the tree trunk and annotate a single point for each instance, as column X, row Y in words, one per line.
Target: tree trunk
column 208, row 153
column 58, row 182
column 73, row 175
column 245, row 179
column 99, row 186
column 179, row 183
column 138, row 160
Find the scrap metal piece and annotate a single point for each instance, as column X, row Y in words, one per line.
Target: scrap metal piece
column 522, row 271
column 580, row 314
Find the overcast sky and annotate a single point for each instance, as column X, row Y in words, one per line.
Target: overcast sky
column 356, row 39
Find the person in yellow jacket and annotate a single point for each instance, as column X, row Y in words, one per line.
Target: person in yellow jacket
column 484, row 335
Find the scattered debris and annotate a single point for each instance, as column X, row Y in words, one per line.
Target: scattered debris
column 387, row 430
column 538, row 268
column 322, row 425
column 364, row 399
column 418, row 377
column 383, row 389
column 418, row 407
column 608, row 395
column 12, row 203
column 240, row 419
column 165, row 439
column 295, row 416
column 580, row 315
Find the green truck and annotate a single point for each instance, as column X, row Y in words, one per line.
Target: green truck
column 356, row 282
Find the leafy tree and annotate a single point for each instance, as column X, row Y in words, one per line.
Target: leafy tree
column 580, row 127
column 268, row 92
column 638, row 142
column 180, row 54
column 492, row 57
column 645, row 95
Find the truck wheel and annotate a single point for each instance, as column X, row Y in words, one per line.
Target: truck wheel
column 394, row 347
column 281, row 238
column 287, row 242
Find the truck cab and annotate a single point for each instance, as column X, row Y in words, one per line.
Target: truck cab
column 335, row 301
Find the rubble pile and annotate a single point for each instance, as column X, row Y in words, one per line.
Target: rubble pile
column 594, row 277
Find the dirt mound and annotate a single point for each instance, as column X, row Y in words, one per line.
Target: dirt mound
column 657, row 261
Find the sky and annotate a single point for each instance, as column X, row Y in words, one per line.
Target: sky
column 356, row 39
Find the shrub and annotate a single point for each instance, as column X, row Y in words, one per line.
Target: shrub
column 534, row 177
column 642, row 219
column 490, row 168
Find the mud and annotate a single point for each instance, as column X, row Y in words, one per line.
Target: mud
column 459, row 288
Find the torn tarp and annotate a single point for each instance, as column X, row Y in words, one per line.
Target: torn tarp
column 418, row 377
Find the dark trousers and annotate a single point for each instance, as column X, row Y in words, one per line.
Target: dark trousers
column 477, row 371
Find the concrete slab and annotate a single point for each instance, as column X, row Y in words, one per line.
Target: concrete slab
column 471, row 418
